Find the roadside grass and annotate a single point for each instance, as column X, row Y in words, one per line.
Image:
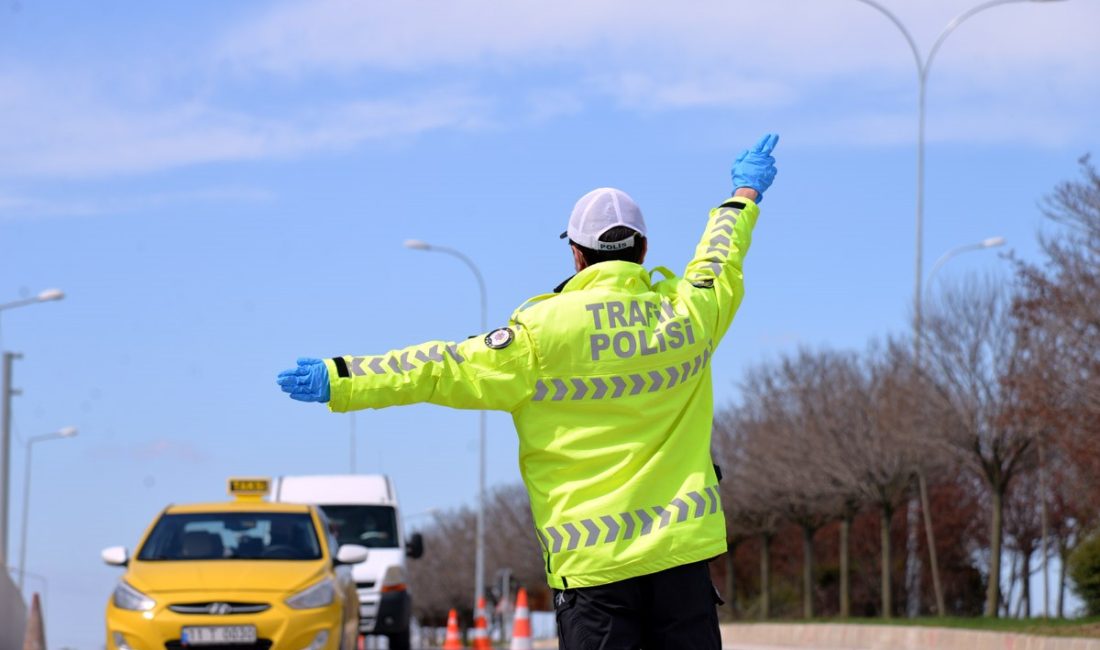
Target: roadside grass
column 1069, row 627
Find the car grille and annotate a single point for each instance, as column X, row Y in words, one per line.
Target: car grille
column 365, row 585
column 219, row 608
column 260, row 644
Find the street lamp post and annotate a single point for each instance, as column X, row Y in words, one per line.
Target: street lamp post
column 479, row 552
column 67, row 432
column 6, row 393
column 922, row 484
column 923, row 66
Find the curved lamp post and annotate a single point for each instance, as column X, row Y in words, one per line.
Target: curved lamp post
column 49, row 295
column 479, row 553
column 923, row 67
column 991, row 242
column 67, row 432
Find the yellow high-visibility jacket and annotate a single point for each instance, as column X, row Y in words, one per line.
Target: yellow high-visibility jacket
column 609, row 385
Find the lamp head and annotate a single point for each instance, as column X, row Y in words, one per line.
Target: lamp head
column 67, row 432
column 993, row 242
column 51, row 294
column 417, row 245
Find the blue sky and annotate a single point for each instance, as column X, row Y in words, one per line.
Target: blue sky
column 220, row 188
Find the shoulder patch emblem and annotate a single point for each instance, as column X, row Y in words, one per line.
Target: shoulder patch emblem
column 500, row 338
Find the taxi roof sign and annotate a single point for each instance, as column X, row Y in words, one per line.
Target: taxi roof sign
column 249, row 488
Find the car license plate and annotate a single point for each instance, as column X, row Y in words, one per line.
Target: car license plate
column 223, row 634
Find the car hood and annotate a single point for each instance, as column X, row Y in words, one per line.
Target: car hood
column 224, row 575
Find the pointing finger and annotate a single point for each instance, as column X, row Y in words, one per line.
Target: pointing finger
column 767, row 143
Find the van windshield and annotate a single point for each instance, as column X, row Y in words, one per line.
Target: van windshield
column 370, row 526
column 232, row 536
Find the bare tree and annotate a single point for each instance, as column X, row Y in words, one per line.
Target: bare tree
column 514, row 544
column 865, row 412
column 444, row 577
column 972, row 348
column 809, row 496
column 1023, row 530
column 1058, row 384
column 750, row 494
column 729, row 451
column 1061, row 300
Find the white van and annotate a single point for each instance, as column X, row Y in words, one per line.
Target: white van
column 363, row 510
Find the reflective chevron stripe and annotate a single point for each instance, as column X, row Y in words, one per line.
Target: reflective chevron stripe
column 612, row 528
column 682, row 507
column 597, row 388
column 700, row 503
column 720, row 243
column 400, row 362
column 606, row 529
column 557, row 537
column 574, row 536
column 629, row 521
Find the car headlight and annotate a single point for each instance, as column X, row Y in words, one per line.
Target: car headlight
column 126, row 597
column 319, row 595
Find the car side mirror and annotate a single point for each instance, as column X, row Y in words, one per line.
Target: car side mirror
column 414, row 548
column 351, row 554
column 115, row 556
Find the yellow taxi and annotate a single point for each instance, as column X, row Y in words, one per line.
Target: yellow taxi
column 247, row 574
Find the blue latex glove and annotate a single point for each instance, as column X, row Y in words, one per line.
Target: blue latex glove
column 306, row 383
column 755, row 167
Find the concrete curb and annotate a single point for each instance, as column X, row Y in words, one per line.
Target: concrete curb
column 889, row 637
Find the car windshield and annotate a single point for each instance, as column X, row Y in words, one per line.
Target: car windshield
column 371, row 526
column 233, row 536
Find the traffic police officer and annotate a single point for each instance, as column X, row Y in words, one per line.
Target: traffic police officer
column 608, row 382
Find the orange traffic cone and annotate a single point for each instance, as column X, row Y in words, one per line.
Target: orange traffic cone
column 35, row 638
column 521, row 626
column 480, row 634
column 454, row 639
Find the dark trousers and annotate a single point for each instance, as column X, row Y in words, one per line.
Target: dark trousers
column 676, row 608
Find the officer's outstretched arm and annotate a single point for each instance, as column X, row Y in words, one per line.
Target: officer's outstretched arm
column 495, row 371
column 719, row 258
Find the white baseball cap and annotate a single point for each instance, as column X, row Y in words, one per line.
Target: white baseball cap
column 599, row 211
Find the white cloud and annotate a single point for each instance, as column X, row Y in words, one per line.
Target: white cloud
column 338, row 73
column 642, row 91
column 52, row 130
column 972, row 125
column 19, row 206
column 801, row 38
column 653, row 56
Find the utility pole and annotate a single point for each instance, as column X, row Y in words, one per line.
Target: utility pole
column 5, row 453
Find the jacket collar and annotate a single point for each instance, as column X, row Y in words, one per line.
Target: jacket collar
column 614, row 274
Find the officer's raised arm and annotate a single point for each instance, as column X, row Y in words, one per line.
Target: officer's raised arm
column 718, row 261
column 494, row 371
